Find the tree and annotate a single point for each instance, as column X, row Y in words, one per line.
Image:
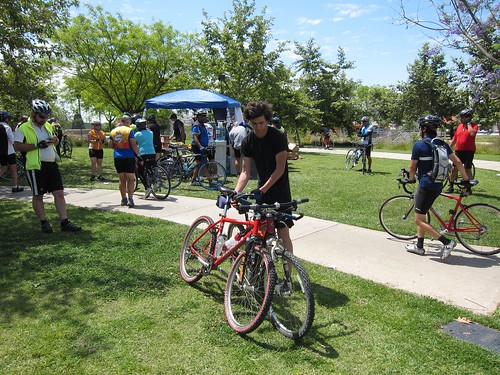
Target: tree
column 26, row 29
column 470, row 26
column 116, row 64
column 326, row 86
column 379, row 103
column 237, row 60
column 431, row 87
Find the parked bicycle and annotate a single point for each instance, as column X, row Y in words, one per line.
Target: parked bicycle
column 355, row 154
column 66, row 146
column 477, row 226
column 292, row 308
column 252, row 276
column 180, row 165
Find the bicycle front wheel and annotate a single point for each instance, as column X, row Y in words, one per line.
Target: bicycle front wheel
column 396, row 215
column 174, row 171
column 249, row 289
column 292, row 309
column 68, row 149
column 350, row 159
column 198, row 244
column 478, row 229
column 160, row 183
column 212, row 175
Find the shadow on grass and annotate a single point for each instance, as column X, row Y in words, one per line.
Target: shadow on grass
column 64, row 275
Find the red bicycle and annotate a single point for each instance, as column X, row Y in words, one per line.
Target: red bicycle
column 477, row 226
column 251, row 278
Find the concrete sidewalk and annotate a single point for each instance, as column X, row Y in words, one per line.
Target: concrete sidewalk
column 465, row 280
column 483, row 164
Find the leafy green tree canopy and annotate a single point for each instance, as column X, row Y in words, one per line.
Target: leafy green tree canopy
column 115, row 63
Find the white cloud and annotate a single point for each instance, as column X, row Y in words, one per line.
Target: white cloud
column 352, row 10
column 307, row 21
column 336, row 19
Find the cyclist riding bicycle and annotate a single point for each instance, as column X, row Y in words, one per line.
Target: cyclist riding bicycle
column 420, row 165
column 366, row 134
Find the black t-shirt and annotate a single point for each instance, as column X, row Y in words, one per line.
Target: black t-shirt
column 263, row 151
column 155, row 128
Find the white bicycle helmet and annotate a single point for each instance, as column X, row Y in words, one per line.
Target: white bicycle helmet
column 41, row 107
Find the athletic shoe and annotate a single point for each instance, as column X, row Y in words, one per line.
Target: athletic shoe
column 195, row 183
column 70, row 227
column 46, row 228
column 412, row 248
column 131, row 203
column 17, row 189
column 92, row 178
column 446, row 250
column 369, row 171
column 148, row 193
column 100, row 178
column 124, row 202
column 450, row 190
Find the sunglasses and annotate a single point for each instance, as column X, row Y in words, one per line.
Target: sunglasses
column 42, row 116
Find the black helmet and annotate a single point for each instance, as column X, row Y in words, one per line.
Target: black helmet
column 467, row 112
column 51, row 120
column 41, row 107
column 430, row 121
column 151, row 118
column 365, row 118
column 275, row 120
column 4, row 115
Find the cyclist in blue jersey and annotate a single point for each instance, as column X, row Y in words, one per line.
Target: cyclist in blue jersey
column 420, row 165
column 144, row 138
column 366, row 134
column 200, row 141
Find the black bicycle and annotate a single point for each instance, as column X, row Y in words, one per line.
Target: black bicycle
column 66, row 147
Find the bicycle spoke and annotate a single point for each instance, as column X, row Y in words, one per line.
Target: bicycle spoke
column 479, row 229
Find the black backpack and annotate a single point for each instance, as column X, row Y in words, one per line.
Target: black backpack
column 4, row 141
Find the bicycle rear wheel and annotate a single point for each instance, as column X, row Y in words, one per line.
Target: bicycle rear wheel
column 249, row 289
column 350, row 159
column 198, row 244
column 292, row 309
column 67, row 149
column 159, row 182
column 479, row 229
column 396, row 215
column 212, row 175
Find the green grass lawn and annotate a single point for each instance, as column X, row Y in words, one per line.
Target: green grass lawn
column 109, row 300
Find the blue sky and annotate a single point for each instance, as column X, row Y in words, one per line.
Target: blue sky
column 365, row 29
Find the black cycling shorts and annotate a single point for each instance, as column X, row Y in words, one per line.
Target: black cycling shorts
column 125, row 165
column 8, row 159
column 47, row 179
column 424, row 199
column 466, row 157
column 98, row 154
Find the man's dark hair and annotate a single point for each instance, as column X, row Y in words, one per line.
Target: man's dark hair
column 257, row 109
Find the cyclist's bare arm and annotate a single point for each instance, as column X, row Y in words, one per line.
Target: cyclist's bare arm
column 413, row 170
column 246, row 172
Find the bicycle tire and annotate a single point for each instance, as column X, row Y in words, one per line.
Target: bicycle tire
column 396, row 215
column 479, row 233
column 292, row 309
column 159, row 182
column 363, row 161
column 212, row 175
column 67, row 149
column 20, row 168
column 249, row 289
column 349, row 159
column 136, row 178
column 174, row 172
column 191, row 269
column 459, row 175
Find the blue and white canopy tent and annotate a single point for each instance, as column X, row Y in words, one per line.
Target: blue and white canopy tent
column 197, row 98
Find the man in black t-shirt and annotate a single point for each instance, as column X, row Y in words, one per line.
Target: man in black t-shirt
column 155, row 128
column 267, row 147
